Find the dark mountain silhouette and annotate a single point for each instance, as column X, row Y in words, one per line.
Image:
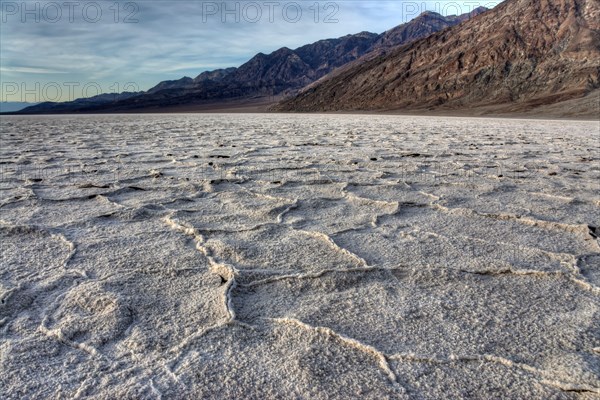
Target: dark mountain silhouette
column 80, row 104
column 179, row 83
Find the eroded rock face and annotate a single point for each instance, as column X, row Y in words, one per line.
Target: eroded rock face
column 424, row 25
column 522, row 54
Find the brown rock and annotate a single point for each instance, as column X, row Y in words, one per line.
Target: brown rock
column 519, row 56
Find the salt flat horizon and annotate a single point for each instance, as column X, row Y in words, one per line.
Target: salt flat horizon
column 399, row 113
column 299, row 256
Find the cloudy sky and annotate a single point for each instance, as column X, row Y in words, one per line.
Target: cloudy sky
column 65, row 49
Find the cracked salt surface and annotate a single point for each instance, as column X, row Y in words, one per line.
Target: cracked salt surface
column 288, row 256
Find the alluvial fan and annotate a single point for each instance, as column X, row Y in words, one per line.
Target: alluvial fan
column 278, row 256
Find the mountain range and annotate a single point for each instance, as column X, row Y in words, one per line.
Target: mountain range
column 522, row 56
column 538, row 57
column 281, row 73
column 12, row 106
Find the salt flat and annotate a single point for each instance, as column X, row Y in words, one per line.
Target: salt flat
column 299, row 256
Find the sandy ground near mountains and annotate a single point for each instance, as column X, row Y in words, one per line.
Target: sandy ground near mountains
column 295, row 256
column 583, row 108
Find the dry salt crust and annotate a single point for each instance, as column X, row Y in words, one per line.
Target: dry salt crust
column 277, row 256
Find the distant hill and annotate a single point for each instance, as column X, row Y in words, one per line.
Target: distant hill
column 284, row 71
column 79, row 104
column 521, row 56
column 12, row 106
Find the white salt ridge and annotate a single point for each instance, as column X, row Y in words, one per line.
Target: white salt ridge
column 292, row 256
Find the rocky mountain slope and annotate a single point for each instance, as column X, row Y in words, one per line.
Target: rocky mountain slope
column 521, row 55
column 424, row 25
column 284, row 71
